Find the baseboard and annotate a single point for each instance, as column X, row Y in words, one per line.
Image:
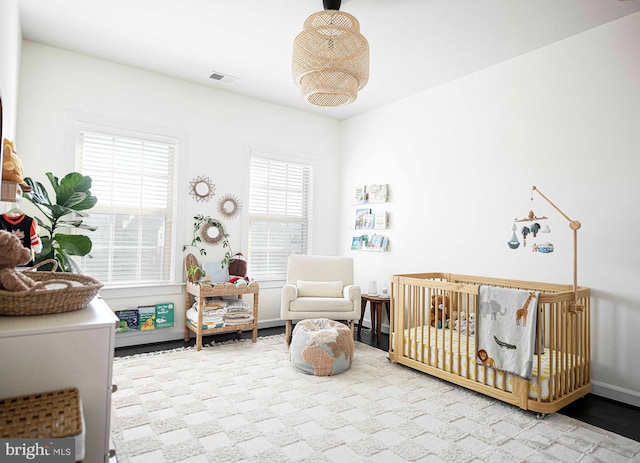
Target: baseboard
column 609, row 391
column 270, row 323
column 137, row 338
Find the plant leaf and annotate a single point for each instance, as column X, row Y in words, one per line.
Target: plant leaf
column 54, row 181
column 60, row 211
column 67, row 264
column 47, row 250
column 87, row 203
column 38, row 193
column 78, row 224
column 77, row 181
column 74, row 245
column 76, row 200
column 73, row 191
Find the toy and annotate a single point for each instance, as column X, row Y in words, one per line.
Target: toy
column 441, row 304
column 239, row 280
column 14, row 254
column 462, row 324
column 12, row 165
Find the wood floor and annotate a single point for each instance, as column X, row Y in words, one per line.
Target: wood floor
column 598, row 411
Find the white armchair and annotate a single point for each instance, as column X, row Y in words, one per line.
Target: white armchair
column 319, row 287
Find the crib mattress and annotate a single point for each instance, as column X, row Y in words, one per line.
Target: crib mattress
column 443, row 354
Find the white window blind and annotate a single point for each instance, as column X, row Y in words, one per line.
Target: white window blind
column 279, row 215
column 133, row 178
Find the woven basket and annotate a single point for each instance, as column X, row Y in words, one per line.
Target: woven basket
column 54, row 292
column 54, row 414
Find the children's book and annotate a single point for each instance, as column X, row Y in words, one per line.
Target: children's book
column 380, row 220
column 360, row 214
column 164, row 315
column 147, row 319
column 376, row 242
column 356, row 242
column 129, row 319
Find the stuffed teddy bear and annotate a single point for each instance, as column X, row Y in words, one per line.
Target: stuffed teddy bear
column 440, row 304
column 14, row 254
column 12, row 165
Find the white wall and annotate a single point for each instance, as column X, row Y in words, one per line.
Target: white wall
column 461, row 159
column 218, row 130
column 10, row 42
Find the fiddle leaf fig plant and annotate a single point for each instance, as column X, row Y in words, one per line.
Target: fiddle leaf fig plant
column 72, row 198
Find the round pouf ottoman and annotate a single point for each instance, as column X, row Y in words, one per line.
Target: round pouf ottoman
column 321, row 347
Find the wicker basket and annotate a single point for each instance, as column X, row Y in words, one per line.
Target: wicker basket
column 54, row 292
column 54, row 414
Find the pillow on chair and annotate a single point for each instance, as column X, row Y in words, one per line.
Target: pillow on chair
column 319, row 288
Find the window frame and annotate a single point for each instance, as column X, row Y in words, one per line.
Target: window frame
column 281, row 156
column 78, row 121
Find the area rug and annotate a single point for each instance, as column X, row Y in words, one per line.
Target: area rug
column 240, row 401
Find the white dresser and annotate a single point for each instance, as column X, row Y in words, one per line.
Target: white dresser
column 75, row 349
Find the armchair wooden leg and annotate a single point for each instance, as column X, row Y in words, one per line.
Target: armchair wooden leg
column 287, row 332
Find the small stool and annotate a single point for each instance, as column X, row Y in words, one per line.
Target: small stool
column 321, row 347
column 54, row 414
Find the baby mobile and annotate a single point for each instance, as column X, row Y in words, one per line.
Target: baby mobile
column 534, row 228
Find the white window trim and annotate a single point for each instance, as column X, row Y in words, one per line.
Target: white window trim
column 278, row 154
column 76, row 120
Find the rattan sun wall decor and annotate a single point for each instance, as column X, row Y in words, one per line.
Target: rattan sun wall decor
column 229, row 206
column 202, row 188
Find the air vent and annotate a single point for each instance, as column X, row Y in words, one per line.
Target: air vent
column 223, row 78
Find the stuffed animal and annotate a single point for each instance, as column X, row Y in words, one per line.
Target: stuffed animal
column 462, row 324
column 439, row 310
column 12, row 165
column 239, row 280
column 14, row 254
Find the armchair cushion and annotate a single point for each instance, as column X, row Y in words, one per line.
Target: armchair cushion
column 333, row 305
column 319, row 288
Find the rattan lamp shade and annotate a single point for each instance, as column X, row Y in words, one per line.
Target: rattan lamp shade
column 330, row 59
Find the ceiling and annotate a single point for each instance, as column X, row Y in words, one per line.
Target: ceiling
column 414, row 44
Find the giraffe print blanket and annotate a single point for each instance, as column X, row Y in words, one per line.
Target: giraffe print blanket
column 506, row 329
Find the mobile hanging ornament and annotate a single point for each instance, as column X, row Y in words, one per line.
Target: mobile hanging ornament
column 546, row 248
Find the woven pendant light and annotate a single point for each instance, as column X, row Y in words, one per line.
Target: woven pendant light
column 330, row 57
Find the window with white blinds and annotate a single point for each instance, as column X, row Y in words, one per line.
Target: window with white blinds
column 279, row 214
column 133, row 178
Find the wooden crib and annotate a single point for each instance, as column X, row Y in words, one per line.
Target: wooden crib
column 560, row 375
